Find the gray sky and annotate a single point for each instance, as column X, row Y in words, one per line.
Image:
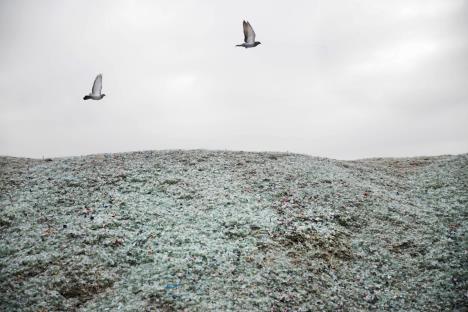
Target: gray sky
column 342, row 79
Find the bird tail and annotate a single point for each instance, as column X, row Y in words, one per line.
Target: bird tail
column 86, row 97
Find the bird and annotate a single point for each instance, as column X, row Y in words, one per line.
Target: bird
column 96, row 91
column 249, row 36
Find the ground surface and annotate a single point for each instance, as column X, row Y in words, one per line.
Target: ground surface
column 233, row 231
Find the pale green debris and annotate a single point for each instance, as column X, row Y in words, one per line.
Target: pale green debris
column 233, row 231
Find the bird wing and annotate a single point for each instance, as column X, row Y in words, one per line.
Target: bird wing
column 249, row 33
column 97, row 86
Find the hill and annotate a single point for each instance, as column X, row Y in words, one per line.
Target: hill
column 233, row 231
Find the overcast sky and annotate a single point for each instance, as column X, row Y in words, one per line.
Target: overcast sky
column 341, row 79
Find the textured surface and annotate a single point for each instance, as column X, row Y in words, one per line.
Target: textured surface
column 206, row 230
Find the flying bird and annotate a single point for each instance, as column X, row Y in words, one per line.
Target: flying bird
column 96, row 91
column 249, row 37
